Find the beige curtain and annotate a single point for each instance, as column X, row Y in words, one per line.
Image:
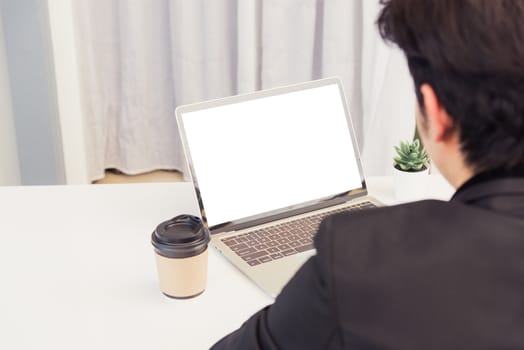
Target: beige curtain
column 141, row 59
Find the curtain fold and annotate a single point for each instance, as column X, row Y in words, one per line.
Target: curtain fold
column 388, row 98
column 141, row 59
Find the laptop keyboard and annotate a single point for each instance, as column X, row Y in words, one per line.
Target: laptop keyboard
column 275, row 242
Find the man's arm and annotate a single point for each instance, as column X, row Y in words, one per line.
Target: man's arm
column 303, row 315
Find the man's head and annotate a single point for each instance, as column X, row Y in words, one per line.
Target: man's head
column 469, row 56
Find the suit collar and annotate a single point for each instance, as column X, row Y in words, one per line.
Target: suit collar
column 485, row 177
column 478, row 189
column 494, row 191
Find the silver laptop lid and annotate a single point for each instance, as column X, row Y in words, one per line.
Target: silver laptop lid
column 262, row 156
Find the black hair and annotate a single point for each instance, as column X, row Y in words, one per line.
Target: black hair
column 471, row 52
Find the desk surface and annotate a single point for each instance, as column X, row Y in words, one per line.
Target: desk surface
column 77, row 269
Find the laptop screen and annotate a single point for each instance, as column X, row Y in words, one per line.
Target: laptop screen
column 260, row 153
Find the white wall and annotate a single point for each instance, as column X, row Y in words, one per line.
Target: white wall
column 25, row 26
column 68, row 91
column 9, row 167
column 41, row 129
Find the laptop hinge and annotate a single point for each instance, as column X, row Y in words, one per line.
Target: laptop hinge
column 288, row 212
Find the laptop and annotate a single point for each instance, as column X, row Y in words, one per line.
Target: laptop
column 267, row 167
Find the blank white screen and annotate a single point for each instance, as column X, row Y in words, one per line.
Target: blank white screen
column 269, row 153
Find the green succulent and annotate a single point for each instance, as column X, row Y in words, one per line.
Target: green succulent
column 411, row 156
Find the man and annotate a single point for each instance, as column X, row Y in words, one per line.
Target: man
column 430, row 274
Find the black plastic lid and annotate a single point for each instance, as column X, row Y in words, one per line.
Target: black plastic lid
column 183, row 236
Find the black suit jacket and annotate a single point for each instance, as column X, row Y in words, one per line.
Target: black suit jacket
column 424, row 275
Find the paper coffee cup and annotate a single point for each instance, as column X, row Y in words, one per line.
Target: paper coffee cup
column 181, row 256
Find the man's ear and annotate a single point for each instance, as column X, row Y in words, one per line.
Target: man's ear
column 439, row 122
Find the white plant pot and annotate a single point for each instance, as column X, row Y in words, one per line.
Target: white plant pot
column 410, row 186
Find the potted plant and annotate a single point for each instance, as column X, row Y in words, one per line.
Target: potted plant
column 410, row 163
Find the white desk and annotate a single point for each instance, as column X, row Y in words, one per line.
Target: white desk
column 77, row 270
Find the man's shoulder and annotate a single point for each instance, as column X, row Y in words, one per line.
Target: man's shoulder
column 398, row 217
column 388, row 232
